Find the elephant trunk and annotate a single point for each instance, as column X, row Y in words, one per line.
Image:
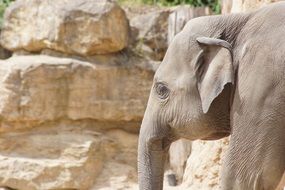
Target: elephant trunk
column 151, row 158
column 150, row 167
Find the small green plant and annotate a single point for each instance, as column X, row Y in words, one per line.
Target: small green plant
column 3, row 5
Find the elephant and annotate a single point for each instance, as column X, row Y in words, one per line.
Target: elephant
column 221, row 75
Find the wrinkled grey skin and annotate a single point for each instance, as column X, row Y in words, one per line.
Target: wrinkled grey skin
column 222, row 75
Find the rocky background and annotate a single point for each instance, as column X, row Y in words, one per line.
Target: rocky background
column 73, row 94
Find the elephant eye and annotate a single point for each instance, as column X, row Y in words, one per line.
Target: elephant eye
column 162, row 90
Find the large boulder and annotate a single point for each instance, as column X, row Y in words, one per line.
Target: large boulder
column 60, row 156
column 179, row 152
column 40, row 89
column 204, row 165
column 180, row 15
column 50, row 158
column 84, row 27
column 66, row 123
column 151, row 29
column 119, row 172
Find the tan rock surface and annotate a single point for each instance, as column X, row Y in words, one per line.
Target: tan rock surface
column 39, row 89
column 180, row 15
column 152, row 33
column 84, row 27
column 119, row 172
column 226, row 6
column 179, row 152
column 236, row 6
column 68, row 156
column 50, row 158
column 204, row 165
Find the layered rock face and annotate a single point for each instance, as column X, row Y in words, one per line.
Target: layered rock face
column 50, row 158
column 65, row 120
column 84, row 27
column 152, row 33
column 154, row 30
column 68, row 156
column 38, row 89
column 72, row 103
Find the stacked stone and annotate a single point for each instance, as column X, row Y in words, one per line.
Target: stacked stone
column 72, row 97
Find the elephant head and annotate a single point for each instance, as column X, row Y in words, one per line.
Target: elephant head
column 191, row 93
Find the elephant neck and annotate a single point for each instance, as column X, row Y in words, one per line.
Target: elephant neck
column 254, row 160
column 225, row 27
column 232, row 25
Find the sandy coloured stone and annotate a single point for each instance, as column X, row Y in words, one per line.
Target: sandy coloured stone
column 83, row 27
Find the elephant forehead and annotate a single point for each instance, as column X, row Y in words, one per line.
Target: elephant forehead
column 175, row 59
column 170, row 72
column 176, row 67
column 176, row 79
column 178, row 47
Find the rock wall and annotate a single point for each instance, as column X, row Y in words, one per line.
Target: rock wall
column 204, row 165
column 36, row 89
column 65, row 27
column 72, row 96
column 154, row 30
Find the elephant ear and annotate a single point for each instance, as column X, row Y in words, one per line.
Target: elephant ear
column 214, row 69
